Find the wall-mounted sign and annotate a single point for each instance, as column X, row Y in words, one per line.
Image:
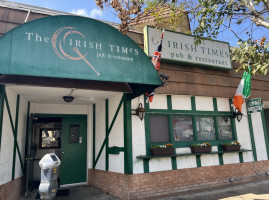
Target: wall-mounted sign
column 74, row 47
column 179, row 47
column 254, row 105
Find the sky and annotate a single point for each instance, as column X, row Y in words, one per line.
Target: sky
column 88, row 8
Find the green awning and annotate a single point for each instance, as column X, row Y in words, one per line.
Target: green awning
column 75, row 48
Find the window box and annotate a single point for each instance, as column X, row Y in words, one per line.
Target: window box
column 162, row 152
column 203, row 149
column 230, row 147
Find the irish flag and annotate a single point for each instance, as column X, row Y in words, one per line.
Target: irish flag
column 243, row 90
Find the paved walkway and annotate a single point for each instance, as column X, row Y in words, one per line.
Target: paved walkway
column 251, row 191
column 84, row 192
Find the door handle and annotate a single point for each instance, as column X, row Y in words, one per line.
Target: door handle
column 62, row 152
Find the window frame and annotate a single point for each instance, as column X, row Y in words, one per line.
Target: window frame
column 193, row 113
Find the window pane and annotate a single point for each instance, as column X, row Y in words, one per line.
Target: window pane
column 205, row 128
column 182, row 128
column 225, row 128
column 159, row 131
column 74, row 134
column 50, row 138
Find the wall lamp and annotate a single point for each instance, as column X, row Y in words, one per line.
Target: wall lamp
column 140, row 112
column 237, row 114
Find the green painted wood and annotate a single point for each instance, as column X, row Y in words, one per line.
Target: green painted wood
column 233, row 121
column 146, row 165
column 252, row 137
column 193, row 104
column 147, row 136
column 174, row 163
column 241, row 158
column 94, row 134
column 107, row 141
column 27, row 130
column 128, row 144
column 77, row 48
column 198, row 161
column 109, row 130
column 15, row 136
column 2, row 94
column 169, row 102
column 169, row 108
column 74, row 157
column 193, row 154
column 115, row 150
column 29, row 163
column 265, row 133
column 215, row 105
column 13, row 131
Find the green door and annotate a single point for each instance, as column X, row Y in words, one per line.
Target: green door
column 74, row 150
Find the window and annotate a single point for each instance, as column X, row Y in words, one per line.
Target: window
column 225, row 128
column 182, row 128
column 74, row 133
column 205, row 128
column 159, row 130
column 50, row 138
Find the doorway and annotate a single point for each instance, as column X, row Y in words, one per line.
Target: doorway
column 66, row 136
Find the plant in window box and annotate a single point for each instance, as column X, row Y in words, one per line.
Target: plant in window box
column 231, row 146
column 201, row 148
column 162, row 150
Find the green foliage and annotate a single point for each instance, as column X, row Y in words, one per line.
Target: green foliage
column 253, row 53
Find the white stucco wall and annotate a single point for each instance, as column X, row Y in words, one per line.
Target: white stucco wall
column 159, row 102
column 243, row 135
column 223, row 104
column 6, row 153
column 59, row 108
column 258, row 133
column 116, row 137
column 181, row 102
column 100, row 133
column 138, row 137
column 185, row 161
column 204, row 103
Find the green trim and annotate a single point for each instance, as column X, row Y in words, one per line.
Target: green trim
column 15, row 136
column 115, row 150
column 193, row 154
column 215, row 105
column 193, row 105
column 59, row 115
column 146, row 165
column 233, row 120
column 2, row 95
column 252, row 137
column 128, row 148
column 147, row 134
column 13, row 131
column 174, row 163
column 265, row 132
column 169, row 108
column 193, row 113
column 28, row 149
column 109, row 130
column 169, row 102
column 107, row 141
column 198, row 161
column 27, row 129
column 93, row 134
